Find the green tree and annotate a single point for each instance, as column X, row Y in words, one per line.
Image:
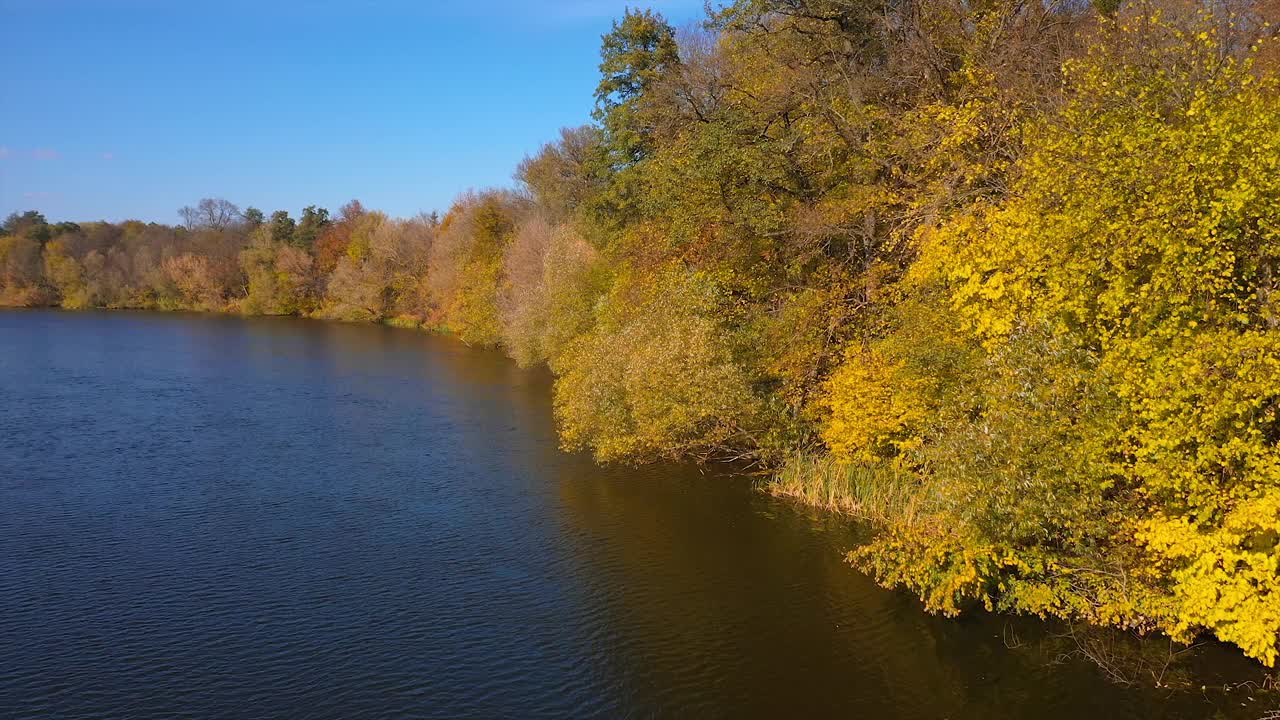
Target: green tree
column 30, row 224
column 634, row 55
column 282, row 227
column 314, row 221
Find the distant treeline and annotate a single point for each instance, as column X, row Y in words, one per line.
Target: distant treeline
column 999, row 277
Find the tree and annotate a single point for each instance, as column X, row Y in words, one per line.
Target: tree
column 20, row 271
column 210, row 214
column 553, row 279
column 30, row 224
column 1140, row 235
column 564, row 174
column 634, row 55
column 282, row 227
column 314, row 220
column 66, row 275
column 465, row 270
column 194, row 276
column 383, row 272
column 655, row 377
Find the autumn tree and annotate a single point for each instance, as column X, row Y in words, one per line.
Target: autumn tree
column 210, row 214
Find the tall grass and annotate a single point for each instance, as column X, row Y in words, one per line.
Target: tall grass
column 403, row 321
column 877, row 493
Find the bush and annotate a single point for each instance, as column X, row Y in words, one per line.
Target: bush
column 655, row 377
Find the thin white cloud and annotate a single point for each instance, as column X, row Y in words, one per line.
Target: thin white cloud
column 4, row 152
column 45, row 154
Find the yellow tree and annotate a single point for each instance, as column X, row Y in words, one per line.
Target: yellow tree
column 1145, row 227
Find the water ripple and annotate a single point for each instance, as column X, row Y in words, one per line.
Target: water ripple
column 209, row 518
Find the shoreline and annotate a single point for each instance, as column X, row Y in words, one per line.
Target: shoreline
column 862, row 504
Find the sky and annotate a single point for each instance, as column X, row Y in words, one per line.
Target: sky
column 120, row 109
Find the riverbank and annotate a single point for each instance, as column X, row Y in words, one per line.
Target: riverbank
column 295, row 489
column 990, row 302
column 885, row 499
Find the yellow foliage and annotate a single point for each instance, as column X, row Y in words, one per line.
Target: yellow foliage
column 1143, row 228
column 473, row 311
column 875, row 408
column 655, row 377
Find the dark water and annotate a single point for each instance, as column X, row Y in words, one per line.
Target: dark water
column 212, row 517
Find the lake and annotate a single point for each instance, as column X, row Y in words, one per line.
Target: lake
column 206, row 516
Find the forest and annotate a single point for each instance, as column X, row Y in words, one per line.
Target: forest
column 998, row 278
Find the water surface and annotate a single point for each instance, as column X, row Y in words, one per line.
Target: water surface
column 215, row 517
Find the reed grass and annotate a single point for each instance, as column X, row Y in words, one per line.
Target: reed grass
column 403, row 321
column 878, row 493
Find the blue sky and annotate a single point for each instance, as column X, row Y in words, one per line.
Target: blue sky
column 133, row 108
